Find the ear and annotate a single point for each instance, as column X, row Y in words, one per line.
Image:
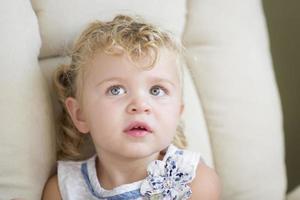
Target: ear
column 76, row 114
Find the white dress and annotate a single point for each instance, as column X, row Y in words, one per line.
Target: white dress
column 167, row 179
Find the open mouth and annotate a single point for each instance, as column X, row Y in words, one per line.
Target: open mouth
column 138, row 129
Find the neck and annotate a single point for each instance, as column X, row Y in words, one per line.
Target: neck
column 113, row 170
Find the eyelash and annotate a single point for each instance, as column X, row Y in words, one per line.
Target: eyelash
column 162, row 87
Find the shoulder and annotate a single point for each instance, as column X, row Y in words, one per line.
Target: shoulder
column 51, row 190
column 206, row 184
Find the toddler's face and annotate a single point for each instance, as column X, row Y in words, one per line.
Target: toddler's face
column 128, row 111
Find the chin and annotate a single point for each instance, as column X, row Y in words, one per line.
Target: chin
column 139, row 152
column 143, row 150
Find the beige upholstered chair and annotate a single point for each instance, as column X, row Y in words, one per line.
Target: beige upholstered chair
column 233, row 114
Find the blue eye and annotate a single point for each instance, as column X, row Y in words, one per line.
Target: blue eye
column 158, row 91
column 116, row 90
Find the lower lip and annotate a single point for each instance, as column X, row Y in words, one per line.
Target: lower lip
column 137, row 133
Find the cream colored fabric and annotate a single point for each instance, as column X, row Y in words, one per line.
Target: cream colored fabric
column 60, row 21
column 194, row 122
column 26, row 137
column 295, row 194
column 229, row 56
column 228, row 61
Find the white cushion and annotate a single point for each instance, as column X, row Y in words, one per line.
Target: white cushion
column 228, row 55
column 294, row 194
column 62, row 20
column 194, row 121
column 228, row 52
column 26, row 142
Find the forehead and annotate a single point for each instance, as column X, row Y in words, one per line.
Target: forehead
column 104, row 66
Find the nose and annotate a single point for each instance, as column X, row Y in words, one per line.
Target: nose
column 138, row 106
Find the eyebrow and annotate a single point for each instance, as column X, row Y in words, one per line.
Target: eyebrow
column 157, row 79
column 152, row 79
column 109, row 80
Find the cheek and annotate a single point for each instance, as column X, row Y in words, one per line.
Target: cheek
column 105, row 107
column 102, row 115
column 171, row 107
column 170, row 114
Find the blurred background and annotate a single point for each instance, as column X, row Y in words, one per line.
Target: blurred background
column 283, row 19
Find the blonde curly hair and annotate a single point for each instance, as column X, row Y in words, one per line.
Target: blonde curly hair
column 129, row 34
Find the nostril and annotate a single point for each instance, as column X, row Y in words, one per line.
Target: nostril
column 138, row 109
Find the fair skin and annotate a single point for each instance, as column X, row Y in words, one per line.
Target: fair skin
column 124, row 93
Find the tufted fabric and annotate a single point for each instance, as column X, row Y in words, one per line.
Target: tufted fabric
column 228, row 54
column 61, row 21
column 294, row 194
column 233, row 114
column 27, row 130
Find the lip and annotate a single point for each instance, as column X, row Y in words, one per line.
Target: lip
column 138, row 133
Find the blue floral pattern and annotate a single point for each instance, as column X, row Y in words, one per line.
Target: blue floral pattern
column 168, row 180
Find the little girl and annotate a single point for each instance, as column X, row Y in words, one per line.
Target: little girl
column 123, row 89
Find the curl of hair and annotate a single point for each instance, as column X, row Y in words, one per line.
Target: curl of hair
column 179, row 139
column 122, row 34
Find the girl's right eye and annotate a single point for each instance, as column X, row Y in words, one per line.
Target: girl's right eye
column 116, row 90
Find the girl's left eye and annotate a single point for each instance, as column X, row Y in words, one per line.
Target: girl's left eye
column 116, row 90
column 158, row 91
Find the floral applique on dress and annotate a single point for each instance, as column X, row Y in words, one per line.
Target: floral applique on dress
column 168, row 179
